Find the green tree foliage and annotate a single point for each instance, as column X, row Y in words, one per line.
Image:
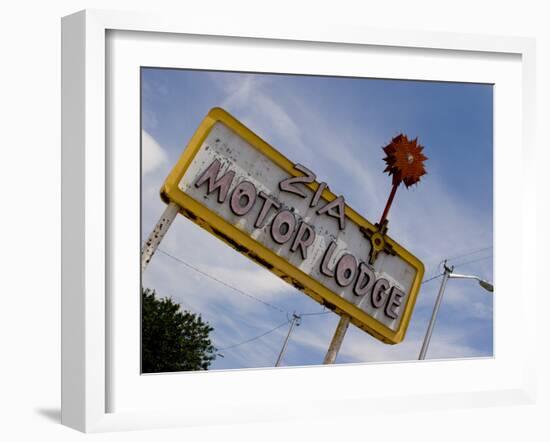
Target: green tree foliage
column 171, row 339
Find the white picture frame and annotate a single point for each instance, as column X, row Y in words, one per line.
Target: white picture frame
column 87, row 310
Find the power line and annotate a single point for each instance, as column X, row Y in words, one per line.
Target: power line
column 458, row 265
column 473, row 260
column 470, row 253
column 315, row 313
column 181, row 261
column 432, row 278
column 255, row 337
column 202, row 272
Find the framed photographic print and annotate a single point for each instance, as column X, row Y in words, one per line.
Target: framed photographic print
column 250, row 209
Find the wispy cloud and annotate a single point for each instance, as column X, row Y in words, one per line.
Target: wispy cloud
column 152, row 155
column 433, row 221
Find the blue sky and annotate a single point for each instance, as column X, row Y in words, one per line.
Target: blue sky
column 336, row 127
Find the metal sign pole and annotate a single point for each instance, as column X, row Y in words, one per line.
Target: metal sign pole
column 162, row 226
column 405, row 162
column 337, row 340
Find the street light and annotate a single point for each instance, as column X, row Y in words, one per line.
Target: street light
column 447, row 274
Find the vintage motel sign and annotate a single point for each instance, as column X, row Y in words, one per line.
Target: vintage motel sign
column 235, row 185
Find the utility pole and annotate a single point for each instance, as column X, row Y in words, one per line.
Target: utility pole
column 295, row 321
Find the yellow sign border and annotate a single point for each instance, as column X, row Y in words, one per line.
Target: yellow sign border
column 243, row 243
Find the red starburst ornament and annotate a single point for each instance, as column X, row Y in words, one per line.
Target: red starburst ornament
column 405, row 163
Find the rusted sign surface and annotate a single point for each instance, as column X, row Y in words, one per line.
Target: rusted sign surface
column 232, row 183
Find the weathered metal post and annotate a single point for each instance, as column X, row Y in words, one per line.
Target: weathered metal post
column 337, row 340
column 162, row 226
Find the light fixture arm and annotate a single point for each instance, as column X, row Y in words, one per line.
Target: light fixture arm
column 485, row 284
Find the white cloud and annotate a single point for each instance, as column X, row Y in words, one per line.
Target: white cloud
column 257, row 280
column 445, row 344
column 251, row 100
column 152, row 154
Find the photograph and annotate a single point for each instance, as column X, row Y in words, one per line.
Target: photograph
column 300, row 220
